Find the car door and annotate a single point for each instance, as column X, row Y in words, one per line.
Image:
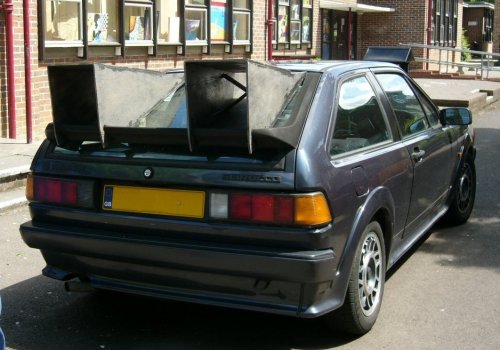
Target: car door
column 429, row 146
column 364, row 151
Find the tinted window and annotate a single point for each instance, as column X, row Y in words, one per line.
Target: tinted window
column 409, row 113
column 359, row 122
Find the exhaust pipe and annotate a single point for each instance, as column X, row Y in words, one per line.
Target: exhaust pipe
column 78, row 286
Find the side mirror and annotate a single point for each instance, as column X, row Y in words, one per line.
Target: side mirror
column 456, row 116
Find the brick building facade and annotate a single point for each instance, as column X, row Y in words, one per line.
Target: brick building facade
column 327, row 29
column 496, row 28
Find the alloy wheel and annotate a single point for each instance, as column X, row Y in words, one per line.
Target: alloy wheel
column 370, row 274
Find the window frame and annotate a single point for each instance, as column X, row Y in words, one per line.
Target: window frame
column 444, row 23
column 299, row 42
column 79, row 44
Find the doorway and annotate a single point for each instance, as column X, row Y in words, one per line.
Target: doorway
column 335, row 28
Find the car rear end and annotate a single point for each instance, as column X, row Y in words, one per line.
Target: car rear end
column 219, row 225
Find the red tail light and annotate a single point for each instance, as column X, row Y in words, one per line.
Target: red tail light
column 59, row 191
column 55, row 191
column 298, row 209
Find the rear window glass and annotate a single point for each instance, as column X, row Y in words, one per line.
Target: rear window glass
column 171, row 113
column 268, row 158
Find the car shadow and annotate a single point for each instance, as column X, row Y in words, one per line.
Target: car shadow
column 43, row 315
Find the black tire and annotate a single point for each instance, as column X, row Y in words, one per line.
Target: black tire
column 366, row 285
column 463, row 196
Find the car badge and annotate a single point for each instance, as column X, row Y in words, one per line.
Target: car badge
column 148, row 173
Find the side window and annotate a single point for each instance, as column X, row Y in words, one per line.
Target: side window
column 409, row 113
column 359, row 121
column 430, row 111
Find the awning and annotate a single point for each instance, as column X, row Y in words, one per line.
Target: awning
column 345, row 6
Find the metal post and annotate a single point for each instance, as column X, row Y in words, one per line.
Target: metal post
column 482, row 62
column 447, row 60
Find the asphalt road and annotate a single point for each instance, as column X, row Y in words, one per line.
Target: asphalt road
column 445, row 295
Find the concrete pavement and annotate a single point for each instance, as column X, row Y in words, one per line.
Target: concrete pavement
column 16, row 155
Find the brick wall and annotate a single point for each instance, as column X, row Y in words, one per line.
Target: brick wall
column 496, row 29
column 406, row 25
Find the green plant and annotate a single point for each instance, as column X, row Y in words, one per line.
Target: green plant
column 466, row 56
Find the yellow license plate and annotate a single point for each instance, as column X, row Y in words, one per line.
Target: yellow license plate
column 158, row 201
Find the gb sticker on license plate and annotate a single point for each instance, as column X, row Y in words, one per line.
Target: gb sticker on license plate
column 108, row 197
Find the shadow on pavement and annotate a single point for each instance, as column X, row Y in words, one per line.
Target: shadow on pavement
column 45, row 315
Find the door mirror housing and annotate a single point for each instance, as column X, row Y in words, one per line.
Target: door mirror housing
column 455, row 116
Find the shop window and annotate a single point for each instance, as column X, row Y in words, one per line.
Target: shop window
column 195, row 25
column 293, row 22
column 63, row 22
column 102, row 22
column 195, row 22
column 219, row 21
column 144, row 23
column 306, row 20
column 138, row 18
column 242, row 21
column 169, row 22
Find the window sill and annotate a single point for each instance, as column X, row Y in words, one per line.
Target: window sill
column 63, row 44
column 139, row 43
column 104, row 44
column 241, row 42
column 196, row 43
column 166, row 43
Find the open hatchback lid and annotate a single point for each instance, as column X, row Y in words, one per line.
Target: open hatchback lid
column 224, row 103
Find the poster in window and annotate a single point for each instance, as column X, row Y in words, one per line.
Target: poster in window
column 218, row 21
column 295, row 12
column 295, row 31
column 192, row 27
column 97, row 26
column 306, row 25
column 282, row 25
column 241, row 26
column 136, row 28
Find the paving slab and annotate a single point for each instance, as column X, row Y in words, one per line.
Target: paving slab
column 474, row 94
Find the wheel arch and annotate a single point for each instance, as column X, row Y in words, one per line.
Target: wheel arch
column 467, row 152
column 379, row 206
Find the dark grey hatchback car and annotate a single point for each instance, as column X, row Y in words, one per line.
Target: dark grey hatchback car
column 287, row 188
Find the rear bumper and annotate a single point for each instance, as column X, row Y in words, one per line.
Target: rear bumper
column 295, row 283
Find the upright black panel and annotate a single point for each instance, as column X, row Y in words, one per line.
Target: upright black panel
column 88, row 98
column 228, row 100
column 401, row 56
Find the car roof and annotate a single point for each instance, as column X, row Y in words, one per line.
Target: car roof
column 337, row 67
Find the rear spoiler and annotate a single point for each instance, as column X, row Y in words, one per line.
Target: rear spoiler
column 230, row 103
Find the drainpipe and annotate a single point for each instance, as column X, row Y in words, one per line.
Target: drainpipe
column 8, row 8
column 429, row 32
column 270, row 30
column 27, row 70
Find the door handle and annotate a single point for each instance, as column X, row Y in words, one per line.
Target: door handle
column 418, row 154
